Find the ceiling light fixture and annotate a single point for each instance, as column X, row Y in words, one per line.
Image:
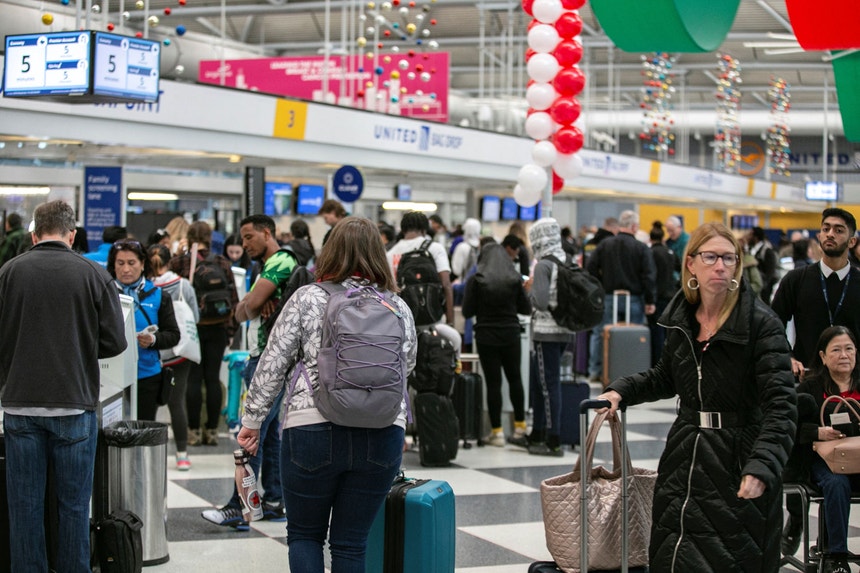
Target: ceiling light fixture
column 139, row 196
column 24, row 190
column 408, row 206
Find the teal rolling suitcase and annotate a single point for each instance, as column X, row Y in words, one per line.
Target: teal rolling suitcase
column 415, row 531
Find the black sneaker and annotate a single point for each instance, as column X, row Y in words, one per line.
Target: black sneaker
column 227, row 517
column 544, row 450
column 836, row 565
column 791, row 535
column 274, row 511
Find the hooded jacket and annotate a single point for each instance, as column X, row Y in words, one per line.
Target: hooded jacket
column 743, row 372
column 545, row 237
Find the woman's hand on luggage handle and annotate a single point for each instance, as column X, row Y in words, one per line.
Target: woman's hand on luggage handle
column 614, row 397
column 826, row 433
column 751, row 487
column 249, row 439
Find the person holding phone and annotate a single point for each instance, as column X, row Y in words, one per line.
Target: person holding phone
column 154, row 320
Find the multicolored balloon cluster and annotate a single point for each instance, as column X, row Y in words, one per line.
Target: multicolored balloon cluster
column 727, row 137
column 778, row 140
column 383, row 26
column 657, row 92
column 154, row 21
column 555, row 81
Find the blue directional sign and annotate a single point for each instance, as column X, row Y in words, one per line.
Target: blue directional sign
column 348, row 183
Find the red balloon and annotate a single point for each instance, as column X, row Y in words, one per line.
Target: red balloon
column 568, row 53
column 568, row 25
column 167, row 11
column 569, row 81
column 532, row 24
column 529, row 54
column 527, row 6
column 572, row 4
column 565, row 110
column 568, row 140
column 557, row 183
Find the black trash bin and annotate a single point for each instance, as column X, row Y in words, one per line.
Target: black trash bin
column 137, row 456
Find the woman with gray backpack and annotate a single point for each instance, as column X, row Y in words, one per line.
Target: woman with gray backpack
column 343, row 348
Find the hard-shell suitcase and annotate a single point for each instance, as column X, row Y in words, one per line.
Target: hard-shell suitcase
column 550, row 566
column 572, row 393
column 626, row 346
column 415, row 531
column 438, row 429
column 468, row 399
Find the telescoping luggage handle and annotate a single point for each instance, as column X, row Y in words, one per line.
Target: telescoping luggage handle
column 584, row 407
column 626, row 295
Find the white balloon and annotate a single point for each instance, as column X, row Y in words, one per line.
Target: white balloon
column 547, row 11
column 526, row 198
column 539, row 125
column 544, row 153
column 540, row 96
column 542, row 67
column 543, row 38
column 532, row 178
column 568, row 166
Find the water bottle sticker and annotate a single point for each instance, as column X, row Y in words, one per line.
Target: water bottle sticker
column 249, row 481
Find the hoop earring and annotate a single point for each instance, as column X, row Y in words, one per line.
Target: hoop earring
column 735, row 284
column 690, row 284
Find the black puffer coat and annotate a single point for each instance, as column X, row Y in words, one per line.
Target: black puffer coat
column 699, row 524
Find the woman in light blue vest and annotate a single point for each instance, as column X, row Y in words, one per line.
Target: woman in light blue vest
column 154, row 320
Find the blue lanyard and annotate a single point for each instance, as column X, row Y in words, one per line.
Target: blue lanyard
column 841, row 298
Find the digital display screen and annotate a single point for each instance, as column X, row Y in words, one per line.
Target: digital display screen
column 278, row 198
column 822, row 191
column 529, row 213
column 126, row 68
column 403, row 192
column 309, row 199
column 49, row 64
column 510, row 209
column 490, row 208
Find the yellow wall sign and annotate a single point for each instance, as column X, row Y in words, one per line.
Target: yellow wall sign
column 290, row 119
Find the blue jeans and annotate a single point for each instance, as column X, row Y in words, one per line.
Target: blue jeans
column 69, row 442
column 268, row 454
column 337, row 471
column 595, row 348
column 545, row 389
column 837, row 503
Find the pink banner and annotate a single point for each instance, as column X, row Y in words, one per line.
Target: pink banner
column 412, row 84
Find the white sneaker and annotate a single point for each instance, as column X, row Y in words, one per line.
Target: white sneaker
column 496, row 439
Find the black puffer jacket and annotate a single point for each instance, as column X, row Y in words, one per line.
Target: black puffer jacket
column 699, row 524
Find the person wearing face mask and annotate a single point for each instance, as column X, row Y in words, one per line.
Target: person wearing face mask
column 154, row 320
column 718, row 497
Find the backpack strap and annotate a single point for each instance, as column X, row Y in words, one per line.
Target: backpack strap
column 425, row 246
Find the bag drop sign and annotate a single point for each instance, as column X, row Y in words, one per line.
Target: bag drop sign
column 348, row 183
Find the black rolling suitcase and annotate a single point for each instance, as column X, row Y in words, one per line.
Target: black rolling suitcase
column 468, row 398
column 438, row 429
column 572, row 393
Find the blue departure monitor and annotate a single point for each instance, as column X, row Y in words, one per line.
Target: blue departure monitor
column 491, row 206
column 47, row 64
column 309, row 199
column 126, row 68
column 510, row 209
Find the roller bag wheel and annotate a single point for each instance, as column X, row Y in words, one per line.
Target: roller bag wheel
column 572, row 393
column 626, row 347
column 544, row 567
column 415, row 530
column 468, row 398
column 438, row 429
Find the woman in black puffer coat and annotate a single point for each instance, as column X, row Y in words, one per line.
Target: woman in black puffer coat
column 718, row 496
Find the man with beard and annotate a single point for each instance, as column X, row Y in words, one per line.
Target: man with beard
column 817, row 296
column 258, row 239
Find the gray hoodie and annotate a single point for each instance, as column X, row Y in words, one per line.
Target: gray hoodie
column 545, row 238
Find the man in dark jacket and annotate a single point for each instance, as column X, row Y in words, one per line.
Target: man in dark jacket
column 59, row 313
column 768, row 261
column 622, row 263
column 816, row 297
column 665, row 263
column 15, row 241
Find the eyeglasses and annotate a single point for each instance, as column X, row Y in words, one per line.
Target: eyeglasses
column 709, row 258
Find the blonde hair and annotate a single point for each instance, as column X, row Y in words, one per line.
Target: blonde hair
column 699, row 237
column 177, row 229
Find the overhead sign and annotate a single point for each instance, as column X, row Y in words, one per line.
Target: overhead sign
column 348, row 184
column 48, row 64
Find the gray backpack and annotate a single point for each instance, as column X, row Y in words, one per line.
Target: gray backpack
column 361, row 363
